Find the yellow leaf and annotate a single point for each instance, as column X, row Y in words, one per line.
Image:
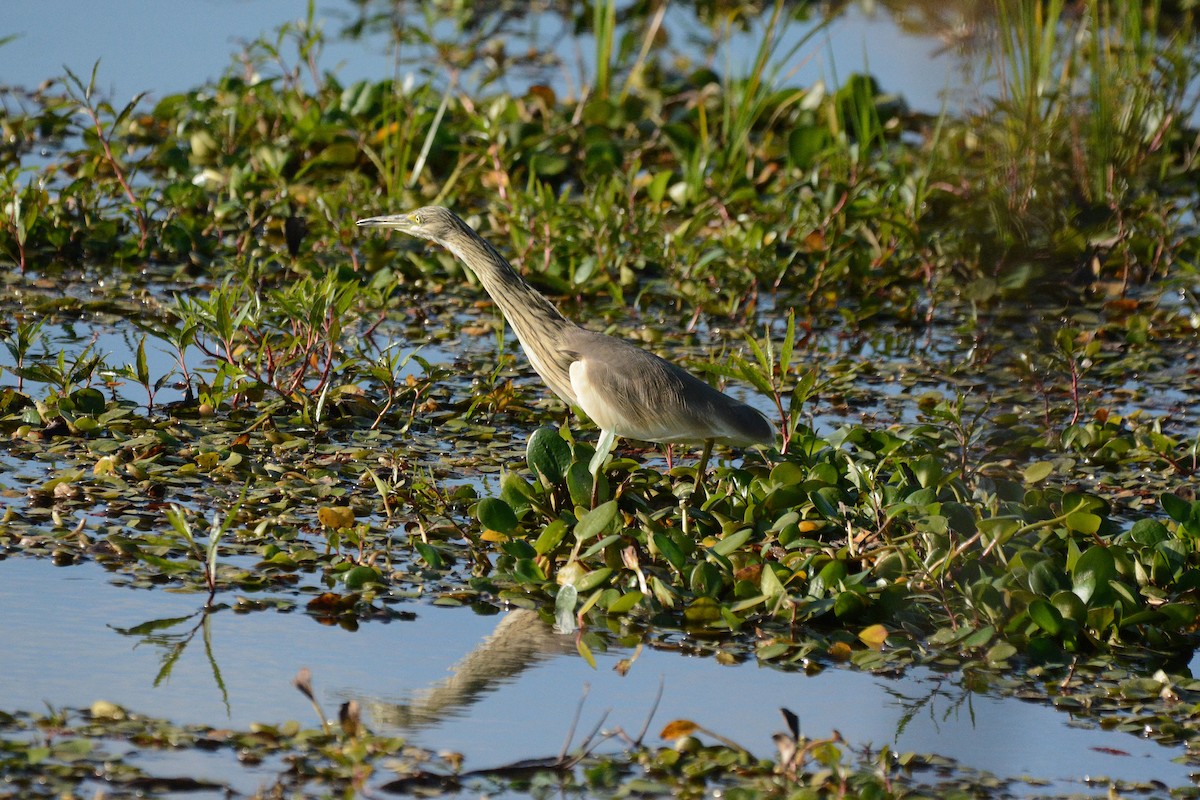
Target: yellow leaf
column 207, row 461
column 839, row 651
column 585, row 652
column 490, row 535
column 873, row 636
column 679, row 728
column 336, row 516
column 808, row 525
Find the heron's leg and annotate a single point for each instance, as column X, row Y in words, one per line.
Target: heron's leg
column 604, row 446
column 708, row 446
column 669, row 452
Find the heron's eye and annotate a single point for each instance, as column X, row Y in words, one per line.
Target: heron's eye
column 416, row 218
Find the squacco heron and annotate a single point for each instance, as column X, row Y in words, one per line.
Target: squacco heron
column 622, row 388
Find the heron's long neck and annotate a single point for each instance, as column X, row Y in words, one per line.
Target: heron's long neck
column 523, row 306
column 534, row 318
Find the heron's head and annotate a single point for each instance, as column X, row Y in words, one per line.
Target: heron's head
column 430, row 222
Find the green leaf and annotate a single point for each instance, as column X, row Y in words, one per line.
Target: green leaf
column 593, row 579
column 357, row 577
column 548, row 455
column 596, row 521
column 550, row 538
column 430, row 555
column 1038, row 472
column 657, row 189
column 1092, row 573
column 1070, row 606
column 733, row 542
column 579, row 484
column 1176, row 507
column 496, row 515
column 1149, row 532
column 625, row 602
column 1047, row 577
column 1046, row 616
column 769, row 585
column 670, row 551
column 1083, row 522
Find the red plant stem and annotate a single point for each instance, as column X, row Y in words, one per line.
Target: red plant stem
column 112, row 161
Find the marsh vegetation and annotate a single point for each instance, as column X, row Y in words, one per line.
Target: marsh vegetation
column 977, row 333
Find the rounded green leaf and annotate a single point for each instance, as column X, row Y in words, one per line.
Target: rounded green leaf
column 1046, row 616
column 1036, row 473
column 1149, row 532
column 1092, row 573
column 1083, row 522
column 1176, row 507
column 495, row 514
column 548, row 455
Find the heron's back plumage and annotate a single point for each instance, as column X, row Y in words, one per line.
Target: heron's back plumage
column 639, row 395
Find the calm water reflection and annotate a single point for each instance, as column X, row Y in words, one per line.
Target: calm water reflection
column 453, row 679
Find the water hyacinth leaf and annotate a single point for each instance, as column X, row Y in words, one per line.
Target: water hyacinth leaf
column 1038, row 472
column 515, row 491
column 705, row 580
column 336, row 516
column 527, row 571
column 1046, row 616
column 823, row 506
column 702, row 611
column 496, row 515
column 548, row 455
column 1047, row 577
column 430, row 555
column 1083, row 522
column 357, row 577
column 1070, row 606
column 519, row 548
column 1092, row 574
column 1180, row 615
column 961, row 518
column 600, row 544
column 592, row 580
column 827, row 579
column 670, row 551
column 579, row 484
column 1176, row 507
column 979, row 637
column 1000, row 653
column 1149, row 532
column 848, row 603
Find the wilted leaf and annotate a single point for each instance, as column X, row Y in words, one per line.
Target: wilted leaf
column 336, row 516
column 677, row 729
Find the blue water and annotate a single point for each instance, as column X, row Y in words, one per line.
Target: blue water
column 452, row 679
column 163, row 48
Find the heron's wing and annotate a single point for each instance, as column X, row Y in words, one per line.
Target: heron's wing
column 638, row 395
